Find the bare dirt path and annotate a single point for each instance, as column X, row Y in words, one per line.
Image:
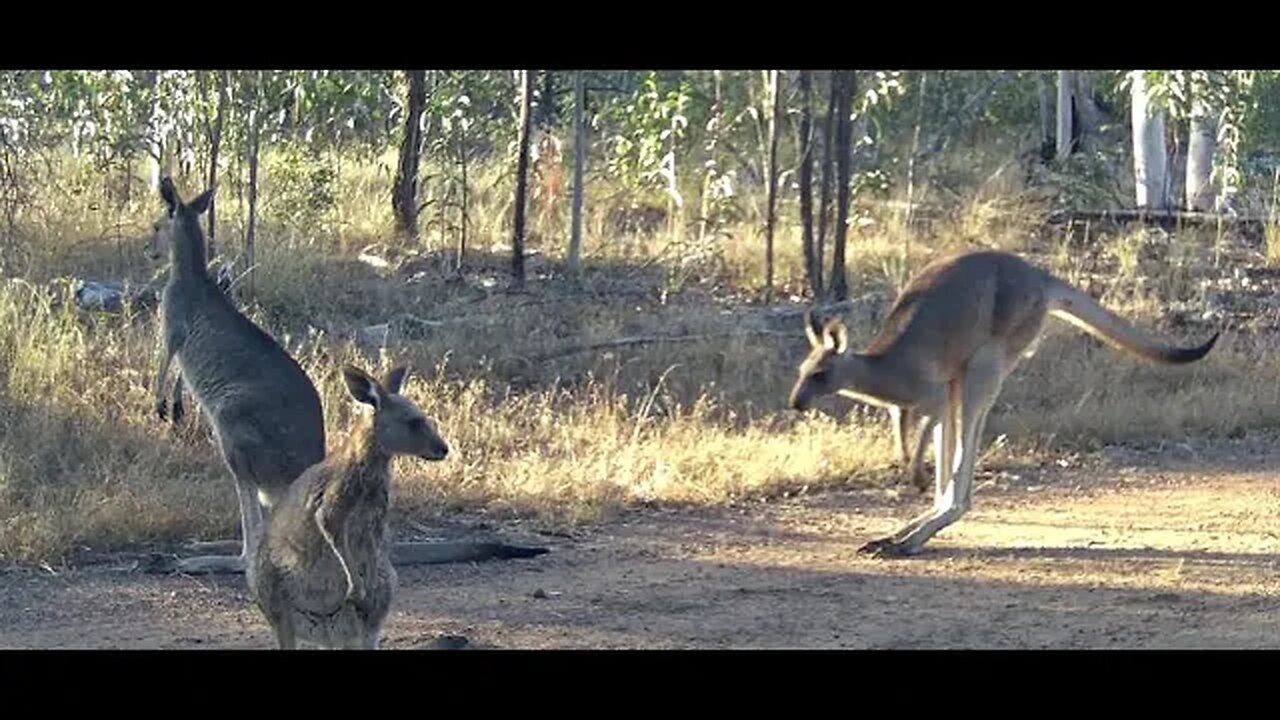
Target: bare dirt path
column 1179, row 549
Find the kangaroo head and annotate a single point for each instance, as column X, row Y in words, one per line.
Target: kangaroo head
column 828, row 343
column 399, row 427
column 179, row 223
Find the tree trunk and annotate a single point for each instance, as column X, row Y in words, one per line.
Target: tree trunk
column 404, row 198
column 824, row 191
column 806, row 179
column 847, row 84
column 522, row 179
column 1065, row 87
column 1149, row 158
column 547, row 101
column 442, row 207
column 1088, row 117
column 714, row 126
column 1175, row 168
column 462, row 160
column 1046, row 118
column 579, row 160
column 255, row 124
column 775, row 108
column 1200, row 149
column 155, row 148
column 215, row 144
column 911, row 172
column 915, row 149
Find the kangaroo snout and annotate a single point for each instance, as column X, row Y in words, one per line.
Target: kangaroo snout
column 439, row 452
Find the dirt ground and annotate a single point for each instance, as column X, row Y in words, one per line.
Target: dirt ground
column 1125, row 549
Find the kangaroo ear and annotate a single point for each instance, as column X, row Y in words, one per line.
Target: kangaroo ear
column 395, row 379
column 362, row 386
column 812, row 329
column 835, row 336
column 170, row 195
column 201, row 203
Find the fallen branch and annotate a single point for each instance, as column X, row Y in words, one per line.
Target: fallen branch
column 654, row 339
column 415, row 321
column 1162, row 217
column 774, row 313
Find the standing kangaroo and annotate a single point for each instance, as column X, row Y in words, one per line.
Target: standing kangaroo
column 323, row 572
column 264, row 411
column 951, row 339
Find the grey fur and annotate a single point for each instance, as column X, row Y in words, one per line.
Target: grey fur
column 323, row 572
column 263, row 409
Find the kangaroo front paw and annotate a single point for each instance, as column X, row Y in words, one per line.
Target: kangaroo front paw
column 359, row 600
column 179, row 410
column 161, row 411
column 355, row 594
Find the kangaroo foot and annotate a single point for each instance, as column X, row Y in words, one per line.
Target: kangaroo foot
column 887, row 547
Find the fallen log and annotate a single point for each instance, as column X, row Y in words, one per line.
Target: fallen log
column 1159, row 217
column 634, row 340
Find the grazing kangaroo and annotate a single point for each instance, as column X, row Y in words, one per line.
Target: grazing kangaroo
column 955, row 333
column 323, row 571
column 264, row 411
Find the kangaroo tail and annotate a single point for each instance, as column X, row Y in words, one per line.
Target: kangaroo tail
column 438, row 553
column 1076, row 307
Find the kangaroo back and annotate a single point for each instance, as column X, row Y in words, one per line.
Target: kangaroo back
column 264, row 409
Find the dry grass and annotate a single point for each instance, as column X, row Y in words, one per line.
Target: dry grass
column 574, row 438
column 1271, row 232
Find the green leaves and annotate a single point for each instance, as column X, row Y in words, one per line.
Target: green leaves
column 650, row 128
column 884, row 87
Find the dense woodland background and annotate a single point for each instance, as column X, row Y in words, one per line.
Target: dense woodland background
column 599, row 275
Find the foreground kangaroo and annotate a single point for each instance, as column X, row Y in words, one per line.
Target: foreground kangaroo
column 264, row 411
column 323, row 573
column 955, row 333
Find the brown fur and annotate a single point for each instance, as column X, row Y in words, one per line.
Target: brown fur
column 955, row 333
column 323, row 572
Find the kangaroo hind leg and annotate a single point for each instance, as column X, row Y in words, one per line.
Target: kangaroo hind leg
column 970, row 399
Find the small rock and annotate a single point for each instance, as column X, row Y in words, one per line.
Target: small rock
column 539, row 594
column 449, row 642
